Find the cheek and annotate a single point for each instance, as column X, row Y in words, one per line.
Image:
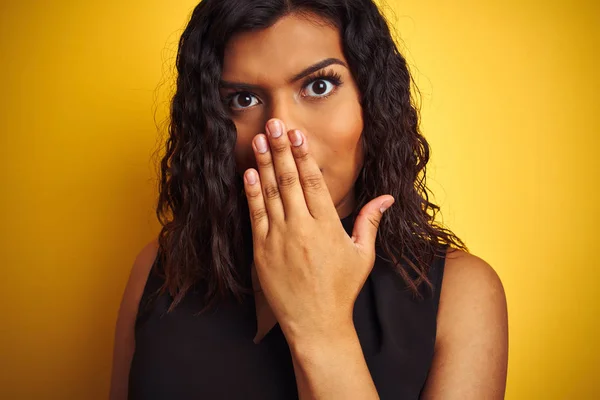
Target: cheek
column 244, row 154
column 341, row 139
column 337, row 146
column 341, row 150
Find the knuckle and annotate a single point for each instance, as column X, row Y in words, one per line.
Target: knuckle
column 264, row 162
column 279, row 148
column 287, row 179
column 272, row 192
column 374, row 222
column 253, row 194
column 313, row 182
column 302, row 156
column 259, row 214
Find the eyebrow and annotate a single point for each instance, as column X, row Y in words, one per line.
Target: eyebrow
column 307, row 71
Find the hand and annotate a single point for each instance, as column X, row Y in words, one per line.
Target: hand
column 309, row 269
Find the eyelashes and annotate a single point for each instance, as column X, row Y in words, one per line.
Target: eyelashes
column 323, row 75
column 330, row 76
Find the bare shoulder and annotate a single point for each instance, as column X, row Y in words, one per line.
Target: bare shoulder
column 138, row 277
column 468, row 277
column 471, row 349
column 472, row 294
column 124, row 337
column 144, row 260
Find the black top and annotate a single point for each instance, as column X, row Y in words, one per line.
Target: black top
column 182, row 355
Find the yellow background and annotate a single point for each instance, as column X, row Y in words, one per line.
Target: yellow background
column 510, row 107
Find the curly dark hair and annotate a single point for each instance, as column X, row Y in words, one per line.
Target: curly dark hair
column 205, row 240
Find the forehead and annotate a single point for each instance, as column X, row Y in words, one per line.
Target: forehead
column 276, row 53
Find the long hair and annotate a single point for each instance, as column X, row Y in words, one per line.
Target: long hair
column 205, row 234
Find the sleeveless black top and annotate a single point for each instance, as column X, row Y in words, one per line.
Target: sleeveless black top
column 182, row 355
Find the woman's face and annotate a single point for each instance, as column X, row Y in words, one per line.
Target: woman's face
column 258, row 84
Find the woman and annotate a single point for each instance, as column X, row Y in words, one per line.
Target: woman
column 299, row 257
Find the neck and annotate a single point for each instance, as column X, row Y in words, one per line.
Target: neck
column 346, row 206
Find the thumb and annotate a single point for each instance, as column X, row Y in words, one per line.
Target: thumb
column 367, row 222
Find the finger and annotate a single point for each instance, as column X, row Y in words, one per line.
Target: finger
column 256, row 205
column 316, row 194
column 367, row 223
column 268, row 182
column 286, row 171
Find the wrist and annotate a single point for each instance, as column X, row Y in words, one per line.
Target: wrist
column 304, row 345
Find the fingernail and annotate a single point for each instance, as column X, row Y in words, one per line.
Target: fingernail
column 296, row 138
column 385, row 205
column 251, row 178
column 275, row 128
column 261, row 144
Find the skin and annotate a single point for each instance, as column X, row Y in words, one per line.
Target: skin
column 291, row 215
column 310, row 288
column 333, row 125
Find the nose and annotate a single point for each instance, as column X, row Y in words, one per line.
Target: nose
column 284, row 108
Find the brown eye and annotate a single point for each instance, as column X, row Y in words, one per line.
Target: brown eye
column 243, row 100
column 320, row 88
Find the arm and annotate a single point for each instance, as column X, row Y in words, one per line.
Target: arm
column 471, row 350
column 124, row 340
column 332, row 368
